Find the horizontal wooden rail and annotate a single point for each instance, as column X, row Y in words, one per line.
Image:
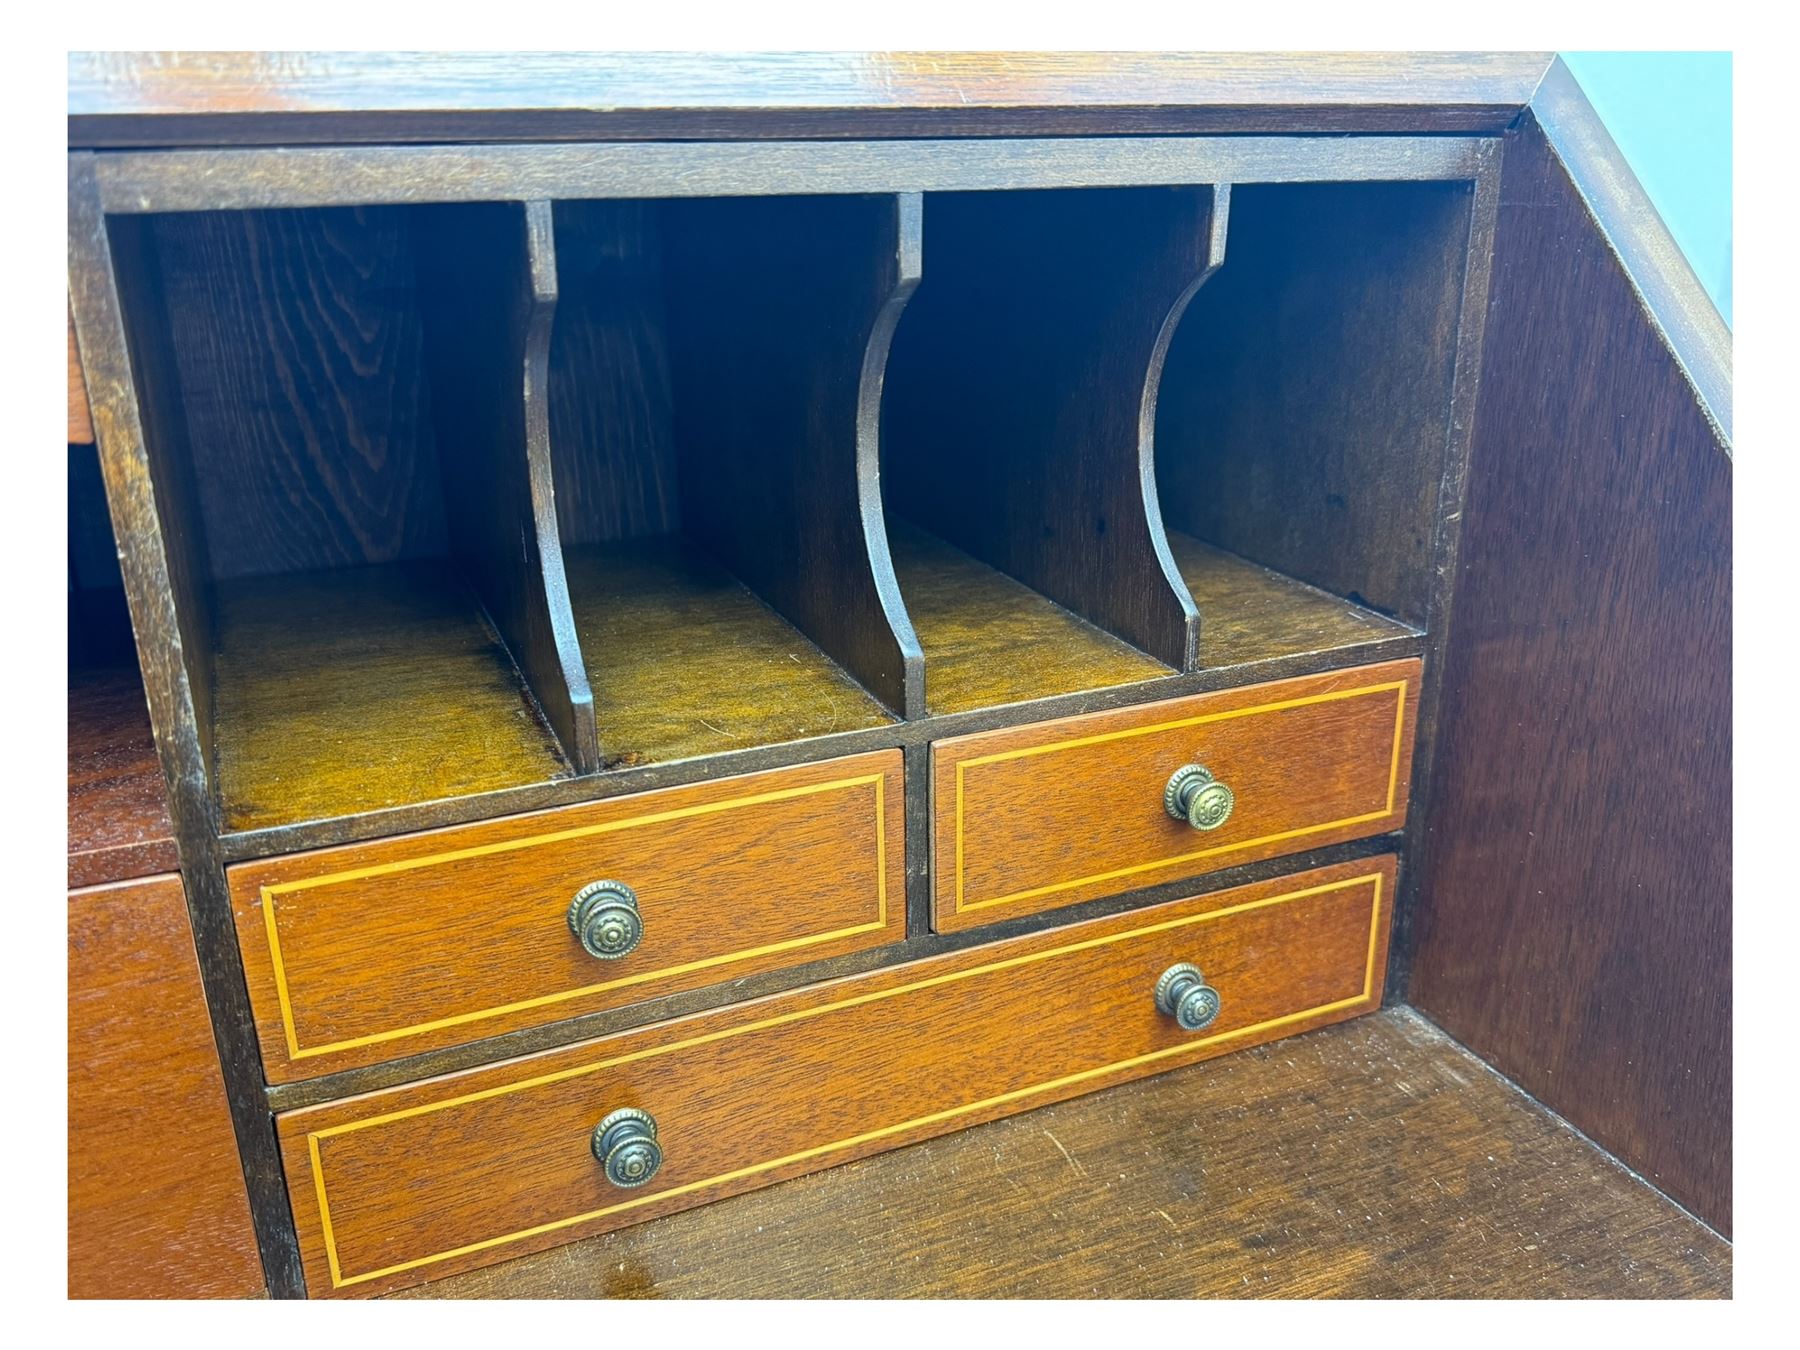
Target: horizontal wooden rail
column 208, row 180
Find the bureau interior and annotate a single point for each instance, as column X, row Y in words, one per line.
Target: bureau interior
column 1303, row 423
column 330, row 399
column 706, row 382
column 1024, row 544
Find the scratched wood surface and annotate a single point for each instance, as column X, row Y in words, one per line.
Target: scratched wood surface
column 1250, row 614
column 991, row 640
column 686, row 661
column 171, row 98
column 1375, row 1159
column 361, row 688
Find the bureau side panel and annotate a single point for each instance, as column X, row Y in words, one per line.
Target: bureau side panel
column 157, row 1207
column 1574, row 923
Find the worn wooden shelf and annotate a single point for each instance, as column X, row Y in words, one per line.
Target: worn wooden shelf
column 684, row 660
column 1252, row 614
column 990, row 640
column 118, row 809
column 362, row 688
column 1375, row 1159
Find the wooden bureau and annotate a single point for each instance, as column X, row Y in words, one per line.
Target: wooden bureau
column 689, row 643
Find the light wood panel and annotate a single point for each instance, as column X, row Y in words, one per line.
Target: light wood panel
column 361, row 954
column 1032, row 818
column 157, row 1207
column 395, row 1187
column 363, row 688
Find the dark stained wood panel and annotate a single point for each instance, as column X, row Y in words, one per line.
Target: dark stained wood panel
column 157, row 1207
column 612, row 430
column 299, row 346
column 1250, row 614
column 685, row 661
column 1376, row 1159
column 175, row 98
column 119, row 823
column 780, row 311
column 363, row 688
column 990, row 640
column 1022, row 385
column 1304, row 417
column 487, row 288
column 1574, row 921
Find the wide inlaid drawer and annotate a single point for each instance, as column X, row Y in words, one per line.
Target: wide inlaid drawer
column 1036, row 817
column 404, row 1185
column 373, row 951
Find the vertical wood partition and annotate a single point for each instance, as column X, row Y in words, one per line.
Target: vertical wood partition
column 487, row 283
column 1022, row 393
column 780, row 314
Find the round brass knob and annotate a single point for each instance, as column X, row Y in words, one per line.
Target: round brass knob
column 1183, row 993
column 1195, row 796
column 605, row 917
column 625, row 1143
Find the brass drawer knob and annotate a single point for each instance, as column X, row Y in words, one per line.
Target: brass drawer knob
column 625, row 1143
column 1195, row 796
column 1184, row 994
column 605, row 917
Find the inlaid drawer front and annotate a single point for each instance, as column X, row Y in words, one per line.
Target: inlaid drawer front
column 401, row 1186
column 1036, row 817
column 370, row 952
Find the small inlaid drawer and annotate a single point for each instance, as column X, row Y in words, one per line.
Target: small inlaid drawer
column 369, row 952
column 461, row 1171
column 1034, row 818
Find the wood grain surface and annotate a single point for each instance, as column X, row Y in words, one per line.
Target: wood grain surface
column 395, row 1187
column 1022, row 386
column 1304, row 420
column 990, row 640
column 81, row 421
column 487, row 289
column 157, row 1207
column 138, row 182
column 298, row 342
column 780, row 311
column 1376, row 1159
column 1037, row 817
column 1250, row 614
column 366, row 687
column 119, row 823
column 134, row 390
column 356, row 955
column 185, row 98
column 1575, row 919
column 686, row 661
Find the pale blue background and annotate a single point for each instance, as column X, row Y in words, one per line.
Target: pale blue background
column 1670, row 113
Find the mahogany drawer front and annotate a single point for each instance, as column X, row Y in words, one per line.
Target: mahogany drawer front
column 1034, row 818
column 465, row 1170
column 366, row 953
column 157, row 1206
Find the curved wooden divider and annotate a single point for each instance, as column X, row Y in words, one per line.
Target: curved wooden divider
column 487, row 343
column 780, row 311
column 1023, row 387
